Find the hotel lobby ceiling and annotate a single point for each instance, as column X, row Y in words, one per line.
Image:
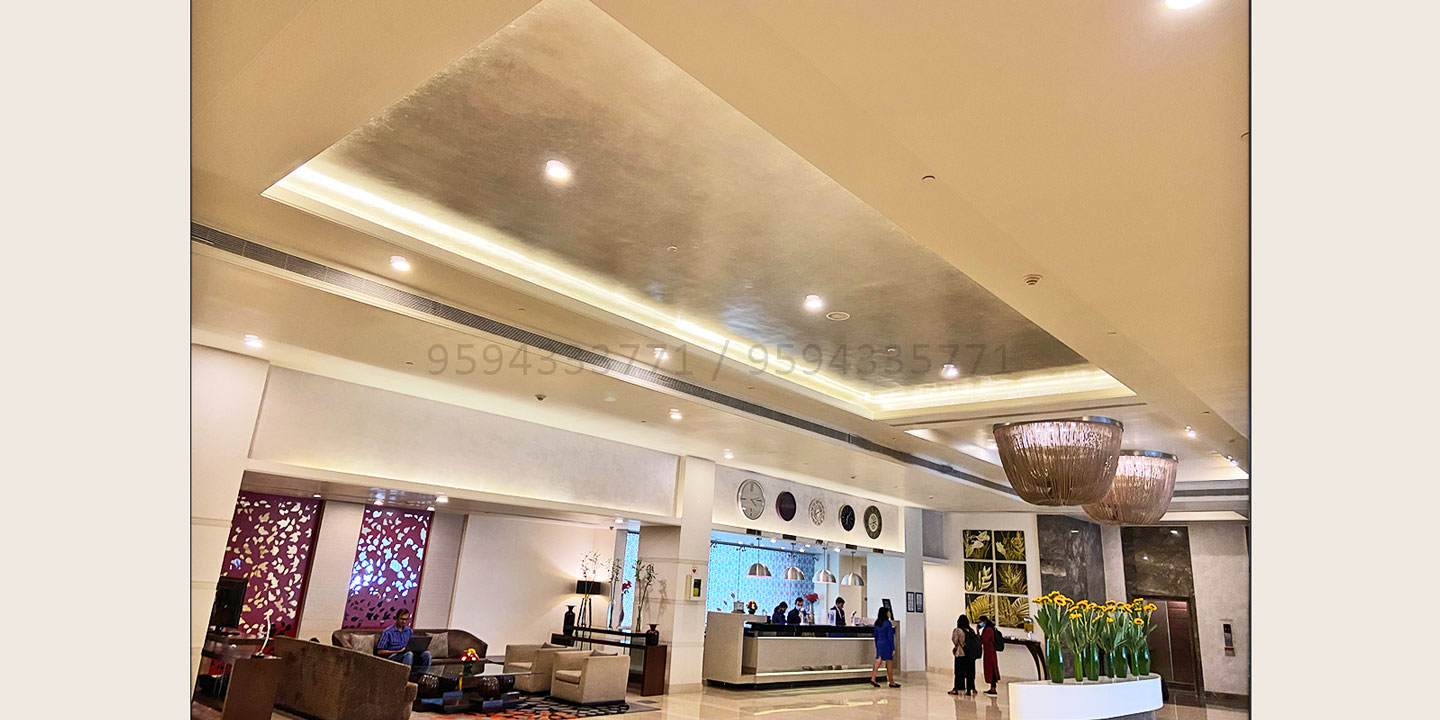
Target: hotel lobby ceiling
column 1104, row 154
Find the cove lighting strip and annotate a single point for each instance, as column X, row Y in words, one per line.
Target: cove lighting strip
column 317, row 187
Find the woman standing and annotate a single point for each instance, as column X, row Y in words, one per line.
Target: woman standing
column 987, row 645
column 884, row 648
column 966, row 649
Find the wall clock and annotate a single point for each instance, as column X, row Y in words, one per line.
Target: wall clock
column 872, row 522
column 751, row 498
column 785, row 506
column 817, row 511
column 847, row 517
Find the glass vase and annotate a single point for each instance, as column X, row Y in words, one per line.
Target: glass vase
column 1054, row 661
column 1140, row 661
column 1092, row 663
column 1080, row 663
column 1119, row 663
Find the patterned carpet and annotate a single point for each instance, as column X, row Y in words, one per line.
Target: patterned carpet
column 539, row 707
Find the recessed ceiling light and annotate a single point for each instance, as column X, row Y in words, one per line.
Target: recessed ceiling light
column 609, row 398
column 672, row 248
column 620, row 521
column 838, row 315
column 949, row 371
column 441, row 499
column 253, row 341
column 315, row 495
column 557, row 170
column 813, row 302
column 1232, row 460
column 1190, row 432
column 675, row 414
column 431, row 508
column 1182, row 4
column 399, row 263
column 729, row 455
column 378, row 501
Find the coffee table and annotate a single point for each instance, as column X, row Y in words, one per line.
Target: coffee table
column 449, row 688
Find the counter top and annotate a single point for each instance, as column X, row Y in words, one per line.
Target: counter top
column 1099, row 700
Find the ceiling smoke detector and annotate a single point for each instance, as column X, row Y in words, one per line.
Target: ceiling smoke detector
column 1032, row 279
column 837, row 316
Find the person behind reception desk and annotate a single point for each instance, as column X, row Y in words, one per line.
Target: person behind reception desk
column 884, row 648
column 796, row 614
column 987, row 645
column 837, row 613
column 778, row 617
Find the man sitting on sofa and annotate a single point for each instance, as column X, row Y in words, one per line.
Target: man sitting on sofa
column 391, row 644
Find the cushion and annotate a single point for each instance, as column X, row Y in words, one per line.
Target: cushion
column 364, row 642
column 440, row 645
column 569, row 676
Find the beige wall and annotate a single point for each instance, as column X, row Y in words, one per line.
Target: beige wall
column 330, row 566
column 1221, row 560
column 442, row 561
column 224, row 399
column 516, row 575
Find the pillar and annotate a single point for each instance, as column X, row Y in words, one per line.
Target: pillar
column 225, row 392
column 680, row 553
column 912, row 631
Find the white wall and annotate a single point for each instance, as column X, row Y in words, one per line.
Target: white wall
column 330, row 566
column 225, row 393
column 516, row 576
column 437, row 581
column 727, row 512
column 318, row 422
column 1221, row 562
column 945, row 591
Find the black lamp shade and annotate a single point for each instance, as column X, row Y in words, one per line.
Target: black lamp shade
column 587, row 587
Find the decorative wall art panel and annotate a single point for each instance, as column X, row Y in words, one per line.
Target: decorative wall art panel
column 271, row 539
column 996, row 576
column 389, row 558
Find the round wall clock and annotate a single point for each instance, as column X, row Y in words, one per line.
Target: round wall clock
column 785, row 506
column 872, row 522
column 817, row 511
column 751, row 498
column 847, row 517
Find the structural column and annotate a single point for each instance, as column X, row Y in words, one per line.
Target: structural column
column 912, row 631
column 225, row 392
column 680, row 555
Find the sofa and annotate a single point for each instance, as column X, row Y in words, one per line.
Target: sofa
column 445, row 644
column 590, row 678
column 532, row 665
column 335, row 683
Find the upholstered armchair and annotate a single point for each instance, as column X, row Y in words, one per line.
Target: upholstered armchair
column 590, row 678
column 531, row 665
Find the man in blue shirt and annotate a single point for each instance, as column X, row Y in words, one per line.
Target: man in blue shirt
column 391, row 644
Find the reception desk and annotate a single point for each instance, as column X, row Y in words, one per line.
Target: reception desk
column 748, row 650
column 1135, row 698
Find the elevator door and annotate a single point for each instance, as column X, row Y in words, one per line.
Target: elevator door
column 1172, row 645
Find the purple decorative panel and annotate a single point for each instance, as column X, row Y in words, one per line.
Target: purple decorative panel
column 271, row 538
column 388, row 561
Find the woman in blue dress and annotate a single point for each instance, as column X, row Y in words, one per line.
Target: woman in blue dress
column 884, row 648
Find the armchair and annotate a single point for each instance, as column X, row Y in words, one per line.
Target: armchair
column 590, row 678
column 532, row 664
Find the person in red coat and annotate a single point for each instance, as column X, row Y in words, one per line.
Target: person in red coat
column 987, row 653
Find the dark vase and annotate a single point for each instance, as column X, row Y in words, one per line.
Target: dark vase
column 569, row 626
column 652, row 636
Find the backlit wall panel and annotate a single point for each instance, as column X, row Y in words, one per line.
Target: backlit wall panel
column 729, row 582
column 271, row 538
column 389, row 558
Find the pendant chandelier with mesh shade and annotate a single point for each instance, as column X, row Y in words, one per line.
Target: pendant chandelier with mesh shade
column 1060, row 462
column 825, row 576
column 758, row 570
column 1144, row 484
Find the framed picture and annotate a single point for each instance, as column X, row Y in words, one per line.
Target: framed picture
column 909, row 602
column 919, row 602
